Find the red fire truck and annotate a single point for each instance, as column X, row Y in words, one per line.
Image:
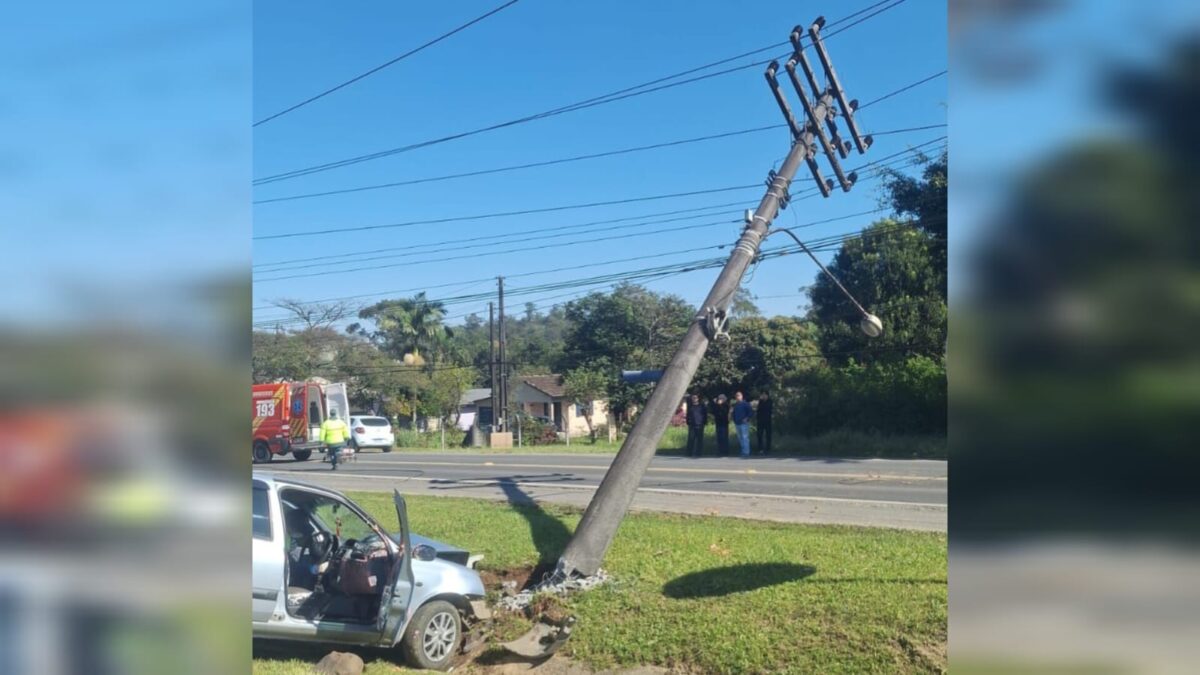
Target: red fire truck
column 288, row 417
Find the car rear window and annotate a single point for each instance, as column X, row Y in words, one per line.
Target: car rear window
column 262, row 514
column 374, row 422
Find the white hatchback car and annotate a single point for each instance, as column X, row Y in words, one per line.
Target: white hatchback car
column 371, row 432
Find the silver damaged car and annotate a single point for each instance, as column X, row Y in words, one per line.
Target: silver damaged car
column 326, row 571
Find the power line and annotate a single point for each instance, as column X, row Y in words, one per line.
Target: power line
column 380, row 67
column 553, row 162
column 826, row 36
column 628, row 92
column 902, row 90
column 511, row 250
column 541, row 244
column 901, row 131
column 882, row 163
column 813, row 223
column 348, row 270
column 713, row 64
column 693, row 210
column 492, row 279
column 820, row 244
column 554, row 208
column 524, row 212
column 530, row 165
column 611, row 278
column 320, row 168
column 541, row 239
column 653, row 274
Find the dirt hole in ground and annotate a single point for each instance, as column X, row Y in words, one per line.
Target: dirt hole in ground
column 524, row 576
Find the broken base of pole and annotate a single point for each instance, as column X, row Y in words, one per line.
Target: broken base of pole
column 548, row 633
column 540, row 642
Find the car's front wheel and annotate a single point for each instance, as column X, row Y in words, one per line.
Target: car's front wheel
column 433, row 636
column 302, row 455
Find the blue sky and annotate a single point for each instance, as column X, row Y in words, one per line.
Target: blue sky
column 1001, row 129
column 538, row 55
column 124, row 165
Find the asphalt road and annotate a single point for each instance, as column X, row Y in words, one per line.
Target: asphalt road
column 907, row 494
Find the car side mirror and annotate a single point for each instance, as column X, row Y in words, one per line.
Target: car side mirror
column 424, row 552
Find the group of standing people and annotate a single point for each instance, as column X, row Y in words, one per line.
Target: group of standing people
column 722, row 411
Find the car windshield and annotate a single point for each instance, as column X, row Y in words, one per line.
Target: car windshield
column 374, row 422
column 339, row 519
column 329, row 514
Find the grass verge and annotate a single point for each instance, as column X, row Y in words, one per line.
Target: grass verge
column 712, row 594
column 848, row 444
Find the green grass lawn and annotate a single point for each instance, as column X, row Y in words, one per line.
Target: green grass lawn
column 832, row 444
column 708, row 594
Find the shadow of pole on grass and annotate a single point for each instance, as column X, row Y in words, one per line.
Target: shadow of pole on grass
column 549, row 534
column 719, row 581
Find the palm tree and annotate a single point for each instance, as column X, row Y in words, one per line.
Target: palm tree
column 403, row 328
column 406, row 326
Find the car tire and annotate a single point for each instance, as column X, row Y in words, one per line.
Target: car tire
column 386, row 448
column 354, row 445
column 433, row 636
column 302, row 455
column 262, row 452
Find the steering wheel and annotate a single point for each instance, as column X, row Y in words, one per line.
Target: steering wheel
column 326, row 544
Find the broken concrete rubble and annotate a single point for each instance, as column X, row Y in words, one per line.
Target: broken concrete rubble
column 515, row 602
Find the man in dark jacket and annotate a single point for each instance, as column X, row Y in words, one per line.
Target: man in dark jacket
column 697, row 417
column 741, row 421
column 720, row 415
column 764, row 423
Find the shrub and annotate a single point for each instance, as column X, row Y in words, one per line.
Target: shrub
column 906, row 397
column 409, row 438
column 536, row 432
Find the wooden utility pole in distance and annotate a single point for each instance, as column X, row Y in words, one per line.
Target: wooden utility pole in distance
column 587, row 548
column 492, row 359
column 503, row 364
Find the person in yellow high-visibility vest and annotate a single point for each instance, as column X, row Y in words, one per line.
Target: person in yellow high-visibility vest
column 334, row 433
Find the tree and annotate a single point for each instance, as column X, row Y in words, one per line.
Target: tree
column 1083, row 318
column 775, row 350
column 403, row 328
column 277, row 356
column 761, row 354
column 406, row 326
column 443, row 392
column 629, row 328
column 301, row 353
column 891, row 271
column 584, row 386
column 924, row 200
column 314, row 315
column 373, row 379
column 743, row 306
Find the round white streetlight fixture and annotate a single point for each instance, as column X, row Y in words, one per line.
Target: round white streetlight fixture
column 871, row 325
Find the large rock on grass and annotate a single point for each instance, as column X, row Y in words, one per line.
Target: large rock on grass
column 340, row 663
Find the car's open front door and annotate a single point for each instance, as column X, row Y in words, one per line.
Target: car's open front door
column 397, row 595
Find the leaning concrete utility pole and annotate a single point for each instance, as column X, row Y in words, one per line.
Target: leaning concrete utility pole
column 585, row 552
